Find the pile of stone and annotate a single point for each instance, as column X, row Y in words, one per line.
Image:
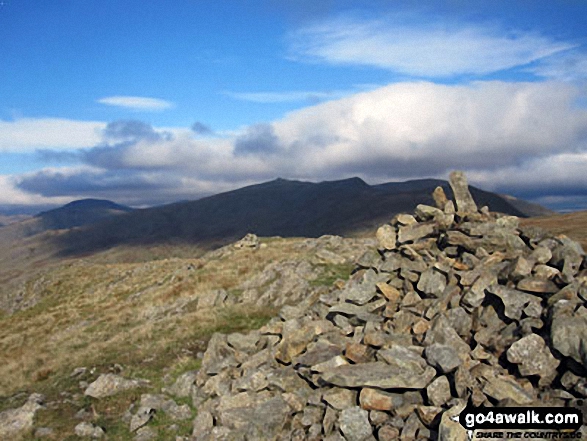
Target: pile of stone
column 456, row 305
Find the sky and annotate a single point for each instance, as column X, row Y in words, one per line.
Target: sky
column 150, row 102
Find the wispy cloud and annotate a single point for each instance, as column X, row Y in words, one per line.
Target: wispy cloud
column 566, row 66
column 287, row 96
column 423, row 49
column 136, row 103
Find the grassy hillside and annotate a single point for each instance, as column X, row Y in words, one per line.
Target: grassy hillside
column 573, row 225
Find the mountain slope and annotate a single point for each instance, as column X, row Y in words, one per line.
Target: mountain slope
column 276, row 208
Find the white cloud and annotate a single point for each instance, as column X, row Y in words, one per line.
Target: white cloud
column 427, row 50
column 512, row 137
column 28, row 134
column 136, row 102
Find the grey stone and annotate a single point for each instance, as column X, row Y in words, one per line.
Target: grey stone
column 249, row 241
column 354, row 424
column 294, row 344
column 439, row 197
column 340, row 398
column 410, row 233
column 378, row 374
column 426, row 212
column 142, row 417
column 18, row 422
column 402, row 358
column 439, row 391
column 88, row 430
column 218, row 356
column 386, row 237
column 463, row 199
column 569, row 336
column 432, row 283
column 476, row 294
column 243, row 342
column 534, row 358
column 107, row 385
column 443, row 357
column 317, row 353
column 514, row 301
column 183, row 385
column 502, row 388
column 203, row 424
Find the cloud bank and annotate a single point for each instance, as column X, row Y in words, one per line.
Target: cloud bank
column 528, row 139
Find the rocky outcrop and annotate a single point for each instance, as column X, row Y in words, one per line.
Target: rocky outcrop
column 16, row 423
column 454, row 305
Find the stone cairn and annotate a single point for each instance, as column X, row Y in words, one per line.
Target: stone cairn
column 457, row 305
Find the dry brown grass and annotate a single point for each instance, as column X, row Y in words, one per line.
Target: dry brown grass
column 94, row 312
column 573, row 225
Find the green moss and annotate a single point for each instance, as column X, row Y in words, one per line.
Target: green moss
column 331, row 273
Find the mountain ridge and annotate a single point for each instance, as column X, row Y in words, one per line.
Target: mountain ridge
column 280, row 207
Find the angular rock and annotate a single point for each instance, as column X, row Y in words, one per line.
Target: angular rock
column 411, row 233
column 183, row 385
column 340, row 398
column 502, row 388
column 294, row 344
column 354, row 424
column 439, row 391
column 374, row 399
column 203, row 424
column 569, row 336
column 402, row 358
column 432, row 283
column 379, row 375
column 443, row 357
column 536, row 285
column 514, row 301
column 386, row 237
column 534, row 358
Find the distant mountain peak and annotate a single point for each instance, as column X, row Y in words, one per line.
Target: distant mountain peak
column 87, row 204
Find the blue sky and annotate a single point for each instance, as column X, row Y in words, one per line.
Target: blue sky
column 148, row 102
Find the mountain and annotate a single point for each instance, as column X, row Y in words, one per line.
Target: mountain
column 78, row 213
column 276, row 208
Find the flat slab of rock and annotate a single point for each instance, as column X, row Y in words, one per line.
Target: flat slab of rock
column 379, row 375
column 110, row 384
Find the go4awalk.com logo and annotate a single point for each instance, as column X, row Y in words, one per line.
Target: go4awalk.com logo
column 522, row 422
